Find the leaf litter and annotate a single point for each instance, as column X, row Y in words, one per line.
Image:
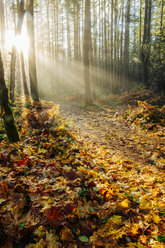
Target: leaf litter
column 97, row 182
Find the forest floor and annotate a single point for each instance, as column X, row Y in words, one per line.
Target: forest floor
column 90, row 177
column 106, row 129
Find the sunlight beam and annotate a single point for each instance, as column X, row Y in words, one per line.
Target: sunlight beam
column 21, row 42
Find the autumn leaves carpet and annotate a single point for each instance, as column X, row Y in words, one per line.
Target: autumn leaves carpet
column 58, row 189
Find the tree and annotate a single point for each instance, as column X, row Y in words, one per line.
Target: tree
column 25, row 86
column 112, row 42
column 20, row 7
column 32, row 57
column 161, row 19
column 2, row 24
column 6, row 112
column 146, row 46
column 126, row 44
column 86, row 53
column 76, row 12
column 68, row 31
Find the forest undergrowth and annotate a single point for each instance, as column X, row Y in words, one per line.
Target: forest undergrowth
column 95, row 181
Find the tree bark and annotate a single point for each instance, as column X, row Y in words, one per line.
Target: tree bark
column 112, row 61
column 32, row 57
column 25, row 86
column 126, row 45
column 21, row 12
column 161, row 18
column 115, row 47
column 145, row 52
column 140, row 38
column 121, row 47
column 2, row 24
column 68, row 34
column 86, row 53
column 75, row 30
column 6, row 112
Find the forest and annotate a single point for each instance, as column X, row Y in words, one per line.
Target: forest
column 82, row 123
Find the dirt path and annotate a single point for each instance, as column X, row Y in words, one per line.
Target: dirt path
column 105, row 128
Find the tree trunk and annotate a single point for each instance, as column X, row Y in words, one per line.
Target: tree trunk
column 32, row 57
column 140, row 38
column 145, row 53
column 105, row 35
column 121, row 46
column 86, row 53
column 12, row 73
column 115, row 47
column 68, row 34
column 57, row 29
column 112, row 61
column 7, row 115
column 21, row 12
column 75, row 30
column 161, row 18
column 2, row 24
column 25, row 86
column 126, row 45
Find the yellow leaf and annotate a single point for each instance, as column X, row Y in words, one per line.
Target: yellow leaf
column 131, row 245
column 143, row 238
column 66, row 235
column 125, row 203
column 114, row 231
column 156, row 218
column 141, row 246
column 117, row 219
column 135, row 228
column 42, row 151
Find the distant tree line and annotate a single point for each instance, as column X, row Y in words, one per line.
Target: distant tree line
column 124, row 39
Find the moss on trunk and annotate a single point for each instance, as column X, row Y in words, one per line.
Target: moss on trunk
column 7, row 114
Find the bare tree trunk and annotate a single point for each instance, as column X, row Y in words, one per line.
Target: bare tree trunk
column 112, row 61
column 21, row 12
column 121, row 46
column 75, row 30
column 86, row 53
column 99, row 64
column 2, row 24
column 7, row 114
column 145, row 52
column 140, row 38
column 95, row 65
column 161, row 19
column 32, row 57
column 48, row 57
column 68, row 34
column 12, row 73
column 79, row 31
column 57, row 29
column 134, row 40
column 25, row 86
column 126, row 45
column 105, row 38
column 115, row 48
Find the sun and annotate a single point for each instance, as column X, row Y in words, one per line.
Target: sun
column 21, row 42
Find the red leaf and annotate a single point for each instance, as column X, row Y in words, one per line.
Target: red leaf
column 53, row 214
column 45, row 132
column 72, row 175
column 22, row 162
column 68, row 209
column 91, row 184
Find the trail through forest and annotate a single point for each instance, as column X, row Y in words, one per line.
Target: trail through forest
column 106, row 129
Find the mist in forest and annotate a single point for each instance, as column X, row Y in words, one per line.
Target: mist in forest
column 84, row 48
